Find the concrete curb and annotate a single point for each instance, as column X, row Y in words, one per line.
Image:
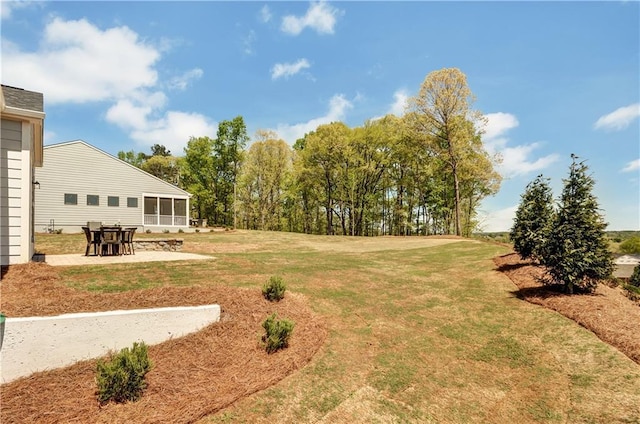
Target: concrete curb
column 39, row 343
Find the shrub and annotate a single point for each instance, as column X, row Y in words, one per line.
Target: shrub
column 197, row 230
column 122, row 378
column 148, row 231
column 630, row 245
column 180, row 230
column 635, row 277
column 165, row 231
column 273, row 290
column 58, row 231
column 277, row 334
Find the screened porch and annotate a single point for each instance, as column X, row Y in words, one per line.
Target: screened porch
column 165, row 211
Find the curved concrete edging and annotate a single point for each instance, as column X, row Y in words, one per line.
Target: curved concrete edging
column 39, row 343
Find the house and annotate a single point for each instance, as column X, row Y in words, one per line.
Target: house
column 81, row 183
column 21, row 128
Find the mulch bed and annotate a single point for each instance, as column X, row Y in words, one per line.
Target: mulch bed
column 193, row 376
column 607, row 312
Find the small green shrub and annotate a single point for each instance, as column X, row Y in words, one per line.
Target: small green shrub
column 165, row 231
column 148, row 231
column 273, row 290
column 122, row 378
column 197, row 230
column 180, row 230
column 635, row 276
column 630, row 245
column 277, row 334
column 58, row 231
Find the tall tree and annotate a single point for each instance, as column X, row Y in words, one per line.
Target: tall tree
column 441, row 112
column 303, row 197
column 262, row 179
column 199, row 175
column 533, row 220
column 576, row 254
column 159, row 150
column 228, row 149
column 322, row 159
column 164, row 167
column 133, row 158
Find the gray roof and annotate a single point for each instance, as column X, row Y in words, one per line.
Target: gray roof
column 23, row 99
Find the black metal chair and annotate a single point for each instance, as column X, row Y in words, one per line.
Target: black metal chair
column 92, row 240
column 110, row 241
column 127, row 241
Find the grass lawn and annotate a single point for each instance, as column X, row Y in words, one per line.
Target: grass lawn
column 420, row 330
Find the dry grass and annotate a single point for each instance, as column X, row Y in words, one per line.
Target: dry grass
column 416, row 331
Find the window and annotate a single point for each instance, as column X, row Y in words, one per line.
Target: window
column 132, row 202
column 93, row 200
column 180, row 207
column 113, row 201
column 70, row 199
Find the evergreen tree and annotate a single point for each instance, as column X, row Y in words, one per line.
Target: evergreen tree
column 635, row 276
column 576, row 253
column 533, row 219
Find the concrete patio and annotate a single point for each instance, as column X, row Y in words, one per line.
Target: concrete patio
column 141, row 256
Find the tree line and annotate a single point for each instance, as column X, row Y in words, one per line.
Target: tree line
column 425, row 172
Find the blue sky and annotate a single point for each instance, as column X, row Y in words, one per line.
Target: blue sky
column 552, row 78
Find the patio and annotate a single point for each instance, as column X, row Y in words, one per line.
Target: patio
column 140, row 256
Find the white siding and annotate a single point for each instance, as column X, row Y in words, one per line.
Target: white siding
column 11, row 174
column 81, row 169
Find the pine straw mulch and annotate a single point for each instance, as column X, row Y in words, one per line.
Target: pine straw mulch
column 193, row 376
column 607, row 312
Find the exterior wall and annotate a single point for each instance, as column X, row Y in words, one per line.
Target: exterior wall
column 16, row 235
column 78, row 168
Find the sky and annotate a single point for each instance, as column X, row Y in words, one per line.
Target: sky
column 552, row 78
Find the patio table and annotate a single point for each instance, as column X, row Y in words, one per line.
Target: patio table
column 110, row 240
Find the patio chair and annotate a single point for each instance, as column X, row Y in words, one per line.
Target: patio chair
column 110, row 241
column 93, row 239
column 127, row 241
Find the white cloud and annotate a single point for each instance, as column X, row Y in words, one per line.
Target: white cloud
column 182, row 82
column 288, row 69
column 172, row 130
column 78, row 62
column 400, row 102
column 338, row 107
column 634, row 165
column 127, row 115
column 497, row 221
column 619, row 119
column 515, row 160
column 397, row 108
column 497, row 124
column 320, row 16
column 248, row 42
column 7, row 7
column 265, row 14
